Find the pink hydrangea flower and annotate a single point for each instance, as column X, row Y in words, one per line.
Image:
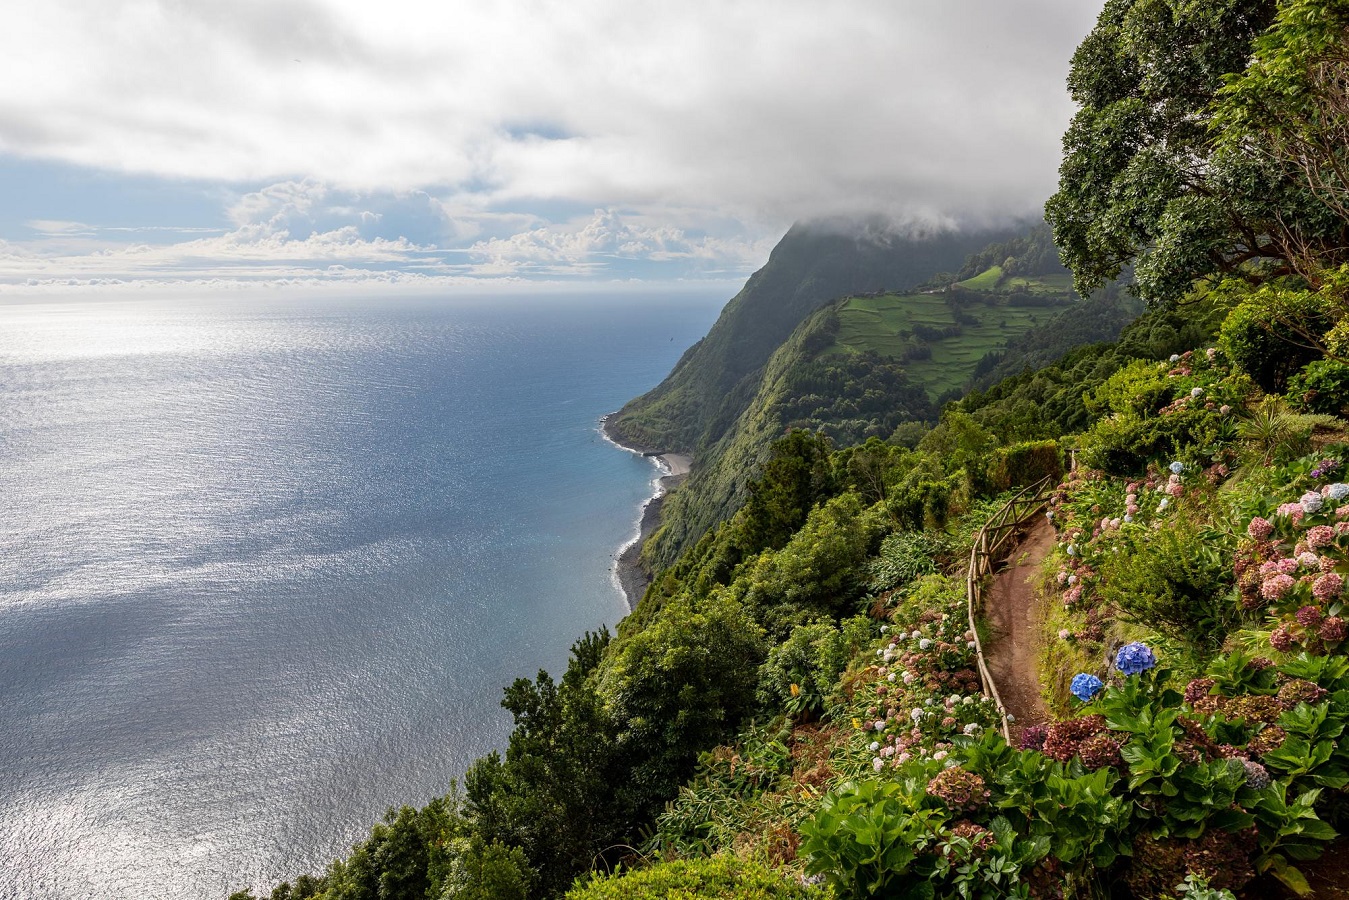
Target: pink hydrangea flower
column 1276, row 586
column 1281, row 639
column 1328, row 586
column 1332, row 630
column 1309, row 560
column 1176, row 490
column 1292, row 511
column 1320, row 536
column 1309, row 617
column 1259, row 529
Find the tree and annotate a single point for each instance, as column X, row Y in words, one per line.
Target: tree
column 798, row 475
column 1147, row 175
column 676, row 688
column 553, row 795
column 1291, row 106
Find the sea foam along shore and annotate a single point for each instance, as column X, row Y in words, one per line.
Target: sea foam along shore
column 671, row 468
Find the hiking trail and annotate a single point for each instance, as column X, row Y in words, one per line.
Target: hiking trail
column 1011, row 610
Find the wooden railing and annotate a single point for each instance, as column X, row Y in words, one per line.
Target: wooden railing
column 990, row 545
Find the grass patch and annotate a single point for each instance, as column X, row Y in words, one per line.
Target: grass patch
column 895, row 324
column 986, row 280
column 1040, row 284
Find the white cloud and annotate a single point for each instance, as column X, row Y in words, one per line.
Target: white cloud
column 607, row 235
column 762, row 110
column 274, row 241
column 53, row 227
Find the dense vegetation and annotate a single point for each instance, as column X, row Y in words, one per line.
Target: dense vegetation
column 874, row 365
column 814, row 264
column 793, row 710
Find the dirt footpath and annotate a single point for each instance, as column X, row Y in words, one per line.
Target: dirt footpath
column 1010, row 609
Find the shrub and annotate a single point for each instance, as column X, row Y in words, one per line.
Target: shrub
column 904, row 558
column 1175, row 580
column 1023, row 464
column 1273, row 332
column 718, row 878
column 867, row 834
column 1322, row 387
column 803, row 671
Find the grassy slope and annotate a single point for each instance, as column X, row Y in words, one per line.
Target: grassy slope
column 986, row 280
column 715, row 381
column 885, row 325
column 882, row 325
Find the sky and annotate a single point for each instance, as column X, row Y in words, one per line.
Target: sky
column 228, row 142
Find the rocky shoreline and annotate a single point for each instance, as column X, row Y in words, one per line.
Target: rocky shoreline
column 631, row 575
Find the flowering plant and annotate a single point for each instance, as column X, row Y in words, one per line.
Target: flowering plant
column 1086, row 686
column 1135, row 658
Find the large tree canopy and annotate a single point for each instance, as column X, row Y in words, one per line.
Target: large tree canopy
column 1168, row 167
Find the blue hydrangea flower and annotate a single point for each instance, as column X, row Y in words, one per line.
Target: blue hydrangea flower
column 1338, row 491
column 1311, row 502
column 1135, row 658
column 1176, row 467
column 1085, row 686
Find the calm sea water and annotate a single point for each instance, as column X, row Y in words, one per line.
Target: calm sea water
column 266, row 563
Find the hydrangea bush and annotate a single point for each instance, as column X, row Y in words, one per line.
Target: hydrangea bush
column 1228, row 779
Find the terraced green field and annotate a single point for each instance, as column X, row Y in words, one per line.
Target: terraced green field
column 886, row 325
column 1041, row 284
column 986, row 280
column 992, row 279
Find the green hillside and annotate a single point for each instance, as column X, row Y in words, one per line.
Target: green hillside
column 942, row 337
column 814, row 264
column 986, row 280
column 862, row 365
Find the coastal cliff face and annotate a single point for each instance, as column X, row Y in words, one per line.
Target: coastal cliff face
column 814, row 263
column 719, row 401
column 832, row 336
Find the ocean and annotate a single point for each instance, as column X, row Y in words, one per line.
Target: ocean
column 267, row 561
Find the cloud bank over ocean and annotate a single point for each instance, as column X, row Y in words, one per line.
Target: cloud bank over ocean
column 581, row 140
